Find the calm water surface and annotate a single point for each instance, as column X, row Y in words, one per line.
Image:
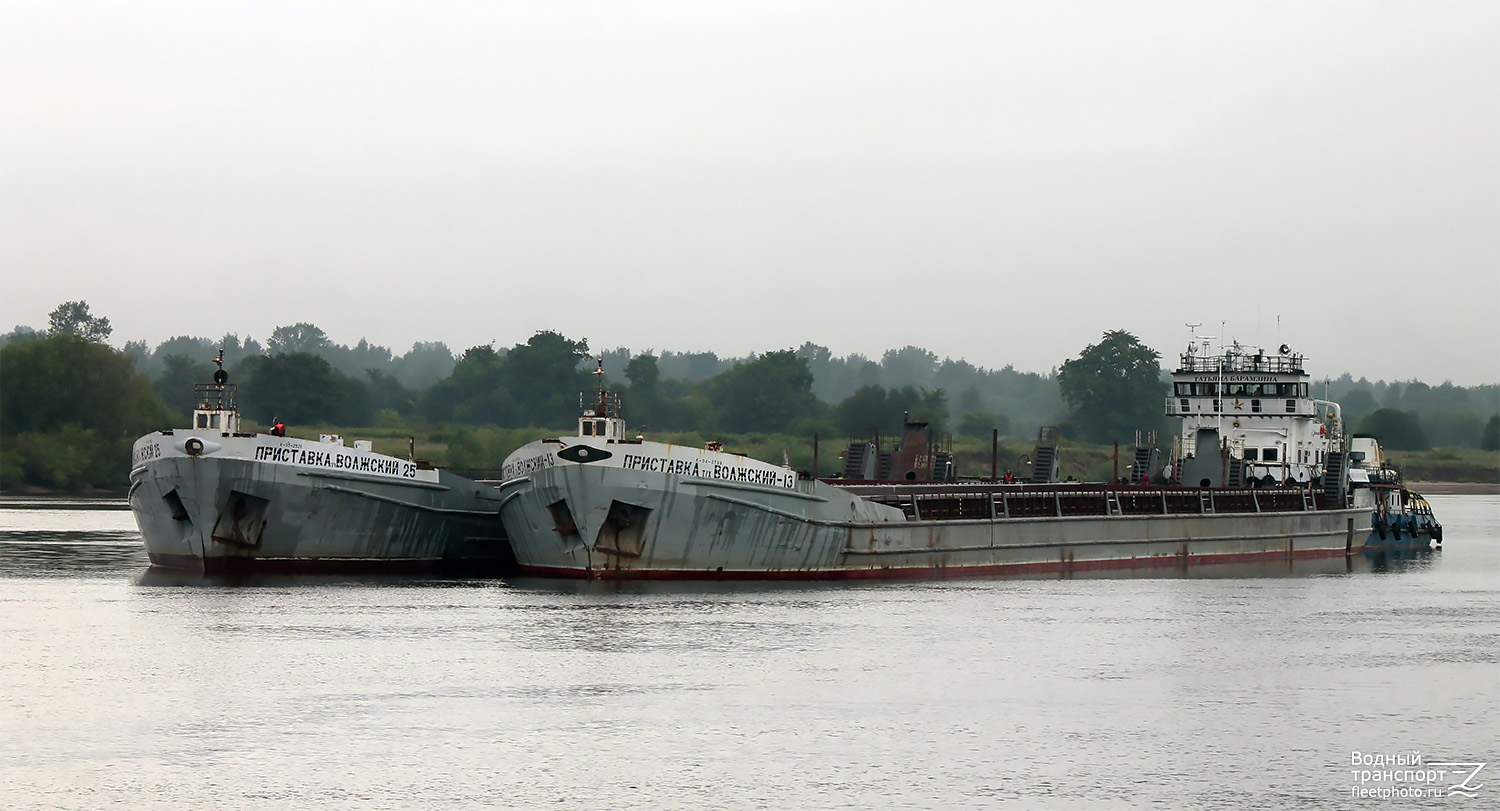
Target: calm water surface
column 127, row 687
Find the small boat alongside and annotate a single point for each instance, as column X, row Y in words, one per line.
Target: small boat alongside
column 1258, row 473
column 216, row 498
column 1401, row 519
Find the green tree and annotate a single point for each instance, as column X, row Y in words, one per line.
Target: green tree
column 544, row 376
column 423, row 365
column 764, row 394
column 867, row 410
column 1490, row 439
column 878, row 409
column 296, row 387
column 908, row 366
column 299, row 337
column 643, row 403
column 198, row 349
column 20, row 333
column 532, row 384
column 387, row 393
column 1396, row 429
column 643, row 371
column 175, row 383
column 473, row 392
column 1357, row 403
column 1452, row 429
column 65, row 379
column 69, row 410
column 691, row 366
column 73, row 318
column 234, row 350
column 140, row 358
column 979, row 424
column 1113, row 387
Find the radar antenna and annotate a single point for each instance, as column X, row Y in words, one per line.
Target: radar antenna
column 1193, row 333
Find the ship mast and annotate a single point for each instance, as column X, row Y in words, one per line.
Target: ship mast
column 600, row 414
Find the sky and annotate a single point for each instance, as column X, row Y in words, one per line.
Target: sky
column 995, row 181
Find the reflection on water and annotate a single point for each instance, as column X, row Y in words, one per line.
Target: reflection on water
column 62, row 554
column 1239, row 687
column 64, row 537
column 160, row 576
column 42, row 503
column 1401, row 560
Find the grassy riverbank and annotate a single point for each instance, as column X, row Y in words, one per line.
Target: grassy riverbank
column 1449, row 465
column 479, row 452
column 482, row 450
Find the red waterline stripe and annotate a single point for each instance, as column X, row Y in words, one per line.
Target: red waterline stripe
column 935, row 572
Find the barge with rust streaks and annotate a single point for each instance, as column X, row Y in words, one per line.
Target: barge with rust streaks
column 1258, row 473
column 217, row 499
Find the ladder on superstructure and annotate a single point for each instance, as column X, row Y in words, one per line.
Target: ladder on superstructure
column 1044, row 457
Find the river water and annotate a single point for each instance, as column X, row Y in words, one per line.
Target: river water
column 122, row 686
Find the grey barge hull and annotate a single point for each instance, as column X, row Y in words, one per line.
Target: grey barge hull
column 595, row 522
column 220, row 514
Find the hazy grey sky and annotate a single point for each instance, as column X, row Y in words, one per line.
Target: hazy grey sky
column 996, row 181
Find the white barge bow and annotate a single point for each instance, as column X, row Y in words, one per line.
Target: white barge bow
column 217, row 499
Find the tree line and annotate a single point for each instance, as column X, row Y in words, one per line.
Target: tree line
column 70, row 405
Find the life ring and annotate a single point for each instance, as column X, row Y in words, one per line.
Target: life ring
column 193, row 446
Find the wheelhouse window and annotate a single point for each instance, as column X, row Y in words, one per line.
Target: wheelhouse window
column 598, row 427
column 588, row 428
column 1269, row 454
column 1252, row 454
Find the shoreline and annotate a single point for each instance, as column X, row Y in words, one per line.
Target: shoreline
column 1423, row 487
column 1455, row 488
